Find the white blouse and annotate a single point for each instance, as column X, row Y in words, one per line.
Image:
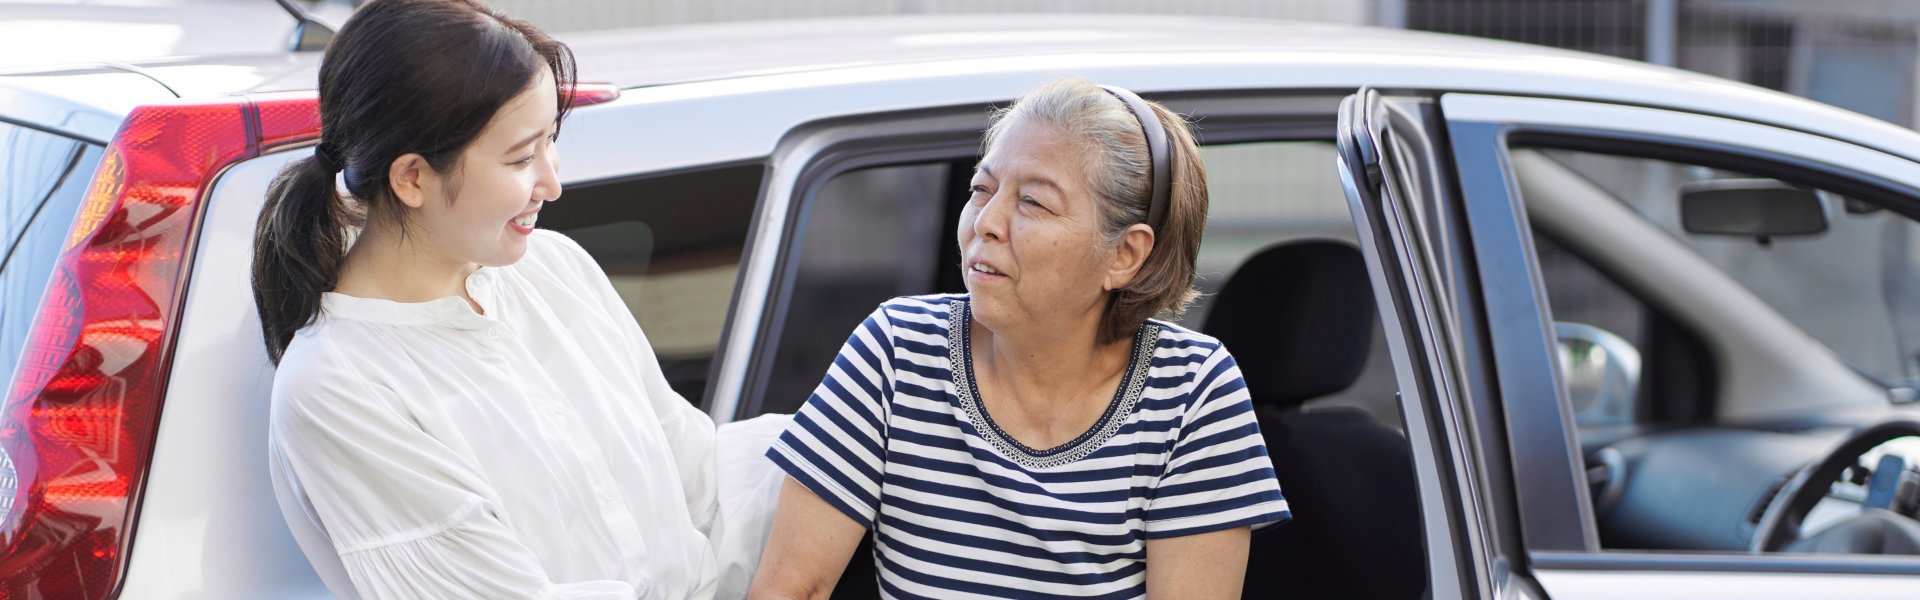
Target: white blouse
column 534, row 451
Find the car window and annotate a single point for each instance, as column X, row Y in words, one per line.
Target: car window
column 879, row 232
column 42, row 180
column 674, row 266
column 870, row 234
column 1855, row 286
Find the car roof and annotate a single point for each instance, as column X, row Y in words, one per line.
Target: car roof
column 1241, row 53
column 661, row 55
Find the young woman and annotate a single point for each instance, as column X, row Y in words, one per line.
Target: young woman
column 467, row 405
column 1039, row 436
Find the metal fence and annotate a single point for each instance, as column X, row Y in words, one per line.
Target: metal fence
column 1856, row 54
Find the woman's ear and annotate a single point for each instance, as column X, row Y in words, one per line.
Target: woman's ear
column 412, row 180
column 1129, row 255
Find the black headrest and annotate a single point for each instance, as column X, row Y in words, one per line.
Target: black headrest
column 1298, row 317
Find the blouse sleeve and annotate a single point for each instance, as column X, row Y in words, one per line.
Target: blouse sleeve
column 834, row 446
column 1218, row 475
column 407, row 516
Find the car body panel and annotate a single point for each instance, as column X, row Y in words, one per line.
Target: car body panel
column 775, row 93
column 208, row 525
column 1667, row 585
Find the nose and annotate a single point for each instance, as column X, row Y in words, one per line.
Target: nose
column 547, row 184
column 990, row 223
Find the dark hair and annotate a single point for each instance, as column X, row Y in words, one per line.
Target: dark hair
column 401, row 77
column 1120, row 175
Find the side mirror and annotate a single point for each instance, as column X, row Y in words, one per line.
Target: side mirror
column 1602, row 373
column 1756, row 208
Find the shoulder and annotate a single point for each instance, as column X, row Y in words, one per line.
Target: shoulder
column 919, row 309
column 1176, row 341
column 322, row 370
column 1194, row 363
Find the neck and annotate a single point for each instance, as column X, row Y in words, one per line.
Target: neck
column 1050, row 361
column 387, row 265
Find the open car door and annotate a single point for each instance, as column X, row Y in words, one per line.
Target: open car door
column 1387, row 164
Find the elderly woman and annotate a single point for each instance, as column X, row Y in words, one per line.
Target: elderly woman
column 1039, row 436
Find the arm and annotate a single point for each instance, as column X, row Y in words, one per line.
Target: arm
column 811, row 544
column 1217, row 486
column 833, row 454
column 1206, row 566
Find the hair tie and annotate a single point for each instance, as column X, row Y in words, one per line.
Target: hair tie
column 327, row 157
column 1159, row 153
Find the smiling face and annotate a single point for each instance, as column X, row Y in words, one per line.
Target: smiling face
column 1030, row 236
column 484, row 211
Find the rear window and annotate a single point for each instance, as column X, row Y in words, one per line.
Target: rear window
column 42, row 179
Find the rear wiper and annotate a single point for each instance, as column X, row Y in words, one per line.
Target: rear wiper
column 309, row 35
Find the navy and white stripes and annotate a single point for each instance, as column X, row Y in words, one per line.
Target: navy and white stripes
column 895, row 438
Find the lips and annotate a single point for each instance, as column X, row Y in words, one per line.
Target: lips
column 526, row 221
column 980, row 268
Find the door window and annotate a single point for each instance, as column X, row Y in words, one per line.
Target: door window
column 1854, row 286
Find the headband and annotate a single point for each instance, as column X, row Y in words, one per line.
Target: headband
column 1158, row 152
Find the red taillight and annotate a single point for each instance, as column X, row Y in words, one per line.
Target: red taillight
column 594, row 93
column 77, row 427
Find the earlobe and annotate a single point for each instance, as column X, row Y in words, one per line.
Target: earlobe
column 408, row 176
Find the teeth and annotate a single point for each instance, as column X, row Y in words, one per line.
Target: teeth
column 527, row 221
column 983, row 268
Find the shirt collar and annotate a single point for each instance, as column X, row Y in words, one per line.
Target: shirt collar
column 451, row 311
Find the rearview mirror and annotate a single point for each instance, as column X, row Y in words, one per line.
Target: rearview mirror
column 1756, row 208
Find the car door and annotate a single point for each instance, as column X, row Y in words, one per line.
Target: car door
column 1769, row 376
column 1411, row 239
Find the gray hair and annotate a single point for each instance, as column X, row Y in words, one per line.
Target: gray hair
column 1118, row 168
column 1119, row 173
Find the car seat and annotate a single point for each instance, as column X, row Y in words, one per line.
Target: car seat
column 1298, row 318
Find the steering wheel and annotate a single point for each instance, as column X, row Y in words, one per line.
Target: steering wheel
column 1781, row 523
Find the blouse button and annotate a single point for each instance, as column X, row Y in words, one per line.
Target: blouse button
column 493, row 334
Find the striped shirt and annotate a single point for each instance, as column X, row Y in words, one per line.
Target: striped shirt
column 896, row 438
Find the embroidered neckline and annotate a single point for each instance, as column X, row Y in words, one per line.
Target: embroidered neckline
column 960, row 356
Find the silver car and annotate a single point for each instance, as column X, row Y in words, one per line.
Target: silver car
column 1532, row 323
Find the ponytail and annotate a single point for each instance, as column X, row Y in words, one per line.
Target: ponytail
column 298, row 246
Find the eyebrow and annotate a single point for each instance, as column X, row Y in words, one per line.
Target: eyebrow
column 528, row 140
column 1034, row 181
